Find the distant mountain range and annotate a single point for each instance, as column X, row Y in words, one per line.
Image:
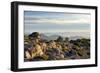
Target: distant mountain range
column 75, row 37
column 49, row 37
column 54, row 37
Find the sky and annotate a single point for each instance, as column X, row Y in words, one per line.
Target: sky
column 72, row 24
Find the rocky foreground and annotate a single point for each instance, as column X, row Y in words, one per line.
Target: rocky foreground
column 38, row 49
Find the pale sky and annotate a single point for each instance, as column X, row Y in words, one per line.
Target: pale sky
column 54, row 22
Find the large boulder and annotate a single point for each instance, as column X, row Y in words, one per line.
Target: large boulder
column 54, row 54
column 34, row 35
column 69, row 54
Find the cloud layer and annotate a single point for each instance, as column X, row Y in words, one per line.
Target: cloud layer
column 56, row 22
